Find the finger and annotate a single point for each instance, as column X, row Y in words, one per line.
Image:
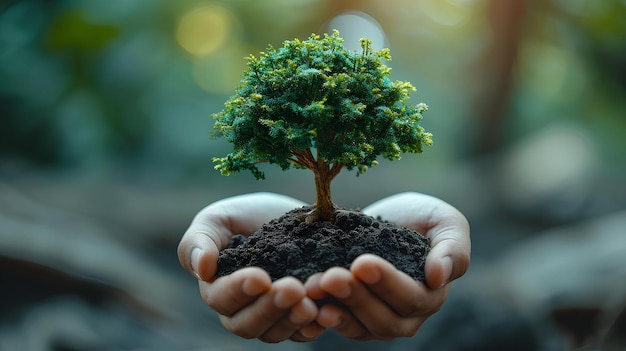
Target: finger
column 229, row 294
column 439, row 268
column 198, row 254
column 377, row 317
column 308, row 333
column 313, row 288
column 331, row 316
column 449, row 257
column 342, row 321
column 300, row 315
column 268, row 309
column 406, row 296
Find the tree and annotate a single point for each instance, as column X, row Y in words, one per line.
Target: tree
column 314, row 104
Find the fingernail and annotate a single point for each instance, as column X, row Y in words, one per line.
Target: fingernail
column 311, row 331
column 343, row 292
column 304, row 313
column 252, row 288
column 282, row 301
column 195, row 261
column 446, row 270
column 371, row 277
column 335, row 323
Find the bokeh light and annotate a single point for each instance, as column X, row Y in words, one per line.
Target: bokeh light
column 205, row 29
column 354, row 25
column 449, row 12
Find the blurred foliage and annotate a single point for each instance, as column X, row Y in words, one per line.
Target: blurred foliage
column 573, row 68
column 89, row 83
column 71, row 33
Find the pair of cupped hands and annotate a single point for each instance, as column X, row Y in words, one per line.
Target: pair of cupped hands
column 376, row 301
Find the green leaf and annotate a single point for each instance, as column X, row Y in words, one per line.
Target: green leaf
column 317, row 94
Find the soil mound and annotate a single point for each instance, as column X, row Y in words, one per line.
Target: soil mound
column 287, row 246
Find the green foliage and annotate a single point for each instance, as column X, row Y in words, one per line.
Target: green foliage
column 316, row 96
column 71, row 31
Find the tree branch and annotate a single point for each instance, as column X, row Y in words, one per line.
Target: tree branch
column 335, row 169
column 304, row 158
column 298, row 162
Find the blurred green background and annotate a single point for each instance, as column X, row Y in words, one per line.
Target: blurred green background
column 88, row 86
column 105, row 113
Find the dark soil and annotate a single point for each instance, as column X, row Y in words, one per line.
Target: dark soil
column 288, row 246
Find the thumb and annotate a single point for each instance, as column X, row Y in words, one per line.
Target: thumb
column 444, row 264
column 198, row 254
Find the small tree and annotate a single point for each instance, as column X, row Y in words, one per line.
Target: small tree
column 314, row 104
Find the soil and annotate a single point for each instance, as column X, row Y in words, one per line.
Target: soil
column 289, row 246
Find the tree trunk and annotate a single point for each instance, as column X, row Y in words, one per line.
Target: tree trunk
column 506, row 21
column 324, row 208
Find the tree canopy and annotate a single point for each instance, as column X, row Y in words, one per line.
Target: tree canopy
column 314, row 104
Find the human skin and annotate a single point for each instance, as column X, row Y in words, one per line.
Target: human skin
column 379, row 301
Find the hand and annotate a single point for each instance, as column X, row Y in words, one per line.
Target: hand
column 251, row 306
column 248, row 303
column 380, row 301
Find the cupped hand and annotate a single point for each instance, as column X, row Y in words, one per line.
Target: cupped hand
column 247, row 302
column 381, row 302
